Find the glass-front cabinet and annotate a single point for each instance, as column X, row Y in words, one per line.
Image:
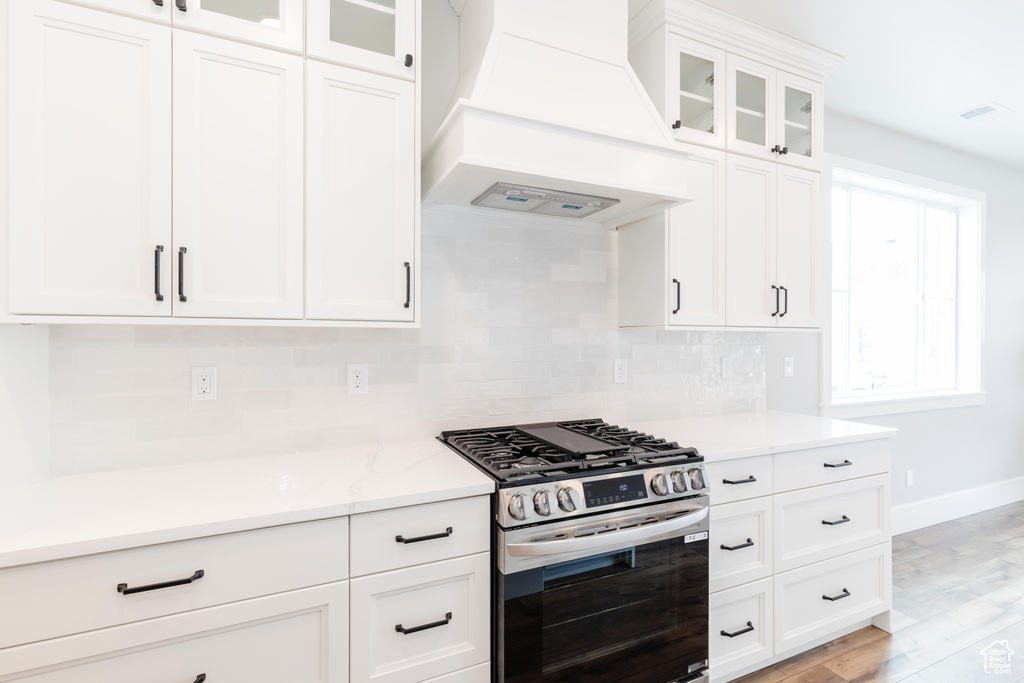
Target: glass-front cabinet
column 277, row 23
column 800, row 123
column 697, row 92
column 379, row 35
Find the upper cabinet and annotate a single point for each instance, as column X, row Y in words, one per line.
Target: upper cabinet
column 161, row 166
column 698, row 96
column 378, row 35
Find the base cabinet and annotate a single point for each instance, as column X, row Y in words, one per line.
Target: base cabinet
column 740, row 630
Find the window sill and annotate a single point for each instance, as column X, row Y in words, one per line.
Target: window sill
column 852, row 408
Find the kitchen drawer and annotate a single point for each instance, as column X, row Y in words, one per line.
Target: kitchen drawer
column 451, row 598
column 59, row 598
column 858, row 511
column 735, row 525
column 746, row 614
column 481, row 673
column 291, row 637
column 803, row 611
column 817, row 466
column 740, row 479
column 375, row 536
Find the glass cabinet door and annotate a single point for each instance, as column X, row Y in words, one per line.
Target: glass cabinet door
column 696, row 92
column 751, row 93
column 277, row 23
column 800, row 121
column 378, row 35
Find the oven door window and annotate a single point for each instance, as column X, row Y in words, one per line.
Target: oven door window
column 638, row 614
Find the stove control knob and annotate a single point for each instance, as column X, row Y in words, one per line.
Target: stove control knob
column 542, row 503
column 659, row 484
column 569, row 499
column 517, row 506
column 696, row 479
column 678, row 481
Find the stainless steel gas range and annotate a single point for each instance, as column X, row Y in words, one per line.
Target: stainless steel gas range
column 601, row 553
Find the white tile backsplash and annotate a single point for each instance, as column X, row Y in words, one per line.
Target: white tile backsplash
column 519, row 322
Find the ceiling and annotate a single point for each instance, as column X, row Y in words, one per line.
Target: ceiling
column 912, row 65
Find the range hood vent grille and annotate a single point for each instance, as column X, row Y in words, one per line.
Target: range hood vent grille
column 536, row 200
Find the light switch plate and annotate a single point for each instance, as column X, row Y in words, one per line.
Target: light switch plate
column 787, row 366
column 726, row 368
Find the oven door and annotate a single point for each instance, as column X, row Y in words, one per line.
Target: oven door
column 605, row 599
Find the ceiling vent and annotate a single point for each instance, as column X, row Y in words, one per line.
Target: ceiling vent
column 988, row 112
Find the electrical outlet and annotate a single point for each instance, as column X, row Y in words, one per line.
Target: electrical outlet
column 910, row 479
column 787, row 366
column 726, row 368
column 204, row 384
column 358, row 378
column 619, row 374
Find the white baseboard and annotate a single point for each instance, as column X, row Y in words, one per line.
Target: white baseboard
column 922, row 513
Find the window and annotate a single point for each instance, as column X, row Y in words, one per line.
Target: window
column 906, row 288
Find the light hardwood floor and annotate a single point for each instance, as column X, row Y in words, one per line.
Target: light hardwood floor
column 957, row 587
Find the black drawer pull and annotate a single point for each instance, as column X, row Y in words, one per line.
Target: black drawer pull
column 679, row 296
column 748, row 629
column 737, row 547
column 845, row 463
column 417, row 629
column 158, row 252
column 844, row 520
column 408, row 285
column 200, row 678
column 181, row 274
column 123, row 588
column 182, row 5
column 408, row 60
column 749, row 480
column 445, row 534
column 833, row 598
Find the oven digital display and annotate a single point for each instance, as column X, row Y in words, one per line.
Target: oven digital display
column 611, row 491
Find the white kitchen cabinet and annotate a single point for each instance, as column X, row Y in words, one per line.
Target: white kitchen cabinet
column 90, row 192
column 297, row 636
column 238, row 180
column 751, row 110
column 800, row 121
column 772, row 221
column 276, row 23
column 741, row 550
column 672, row 266
column 155, row 10
column 362, row 209
column 740, row 628
column 377, row 35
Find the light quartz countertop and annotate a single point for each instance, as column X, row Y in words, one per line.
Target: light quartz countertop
column 84, row 514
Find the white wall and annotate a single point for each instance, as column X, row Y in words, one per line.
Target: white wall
column 519, row 322
column 962, row 448
column 24, row 404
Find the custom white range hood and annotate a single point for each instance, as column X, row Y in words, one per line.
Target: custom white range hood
column 549, row 110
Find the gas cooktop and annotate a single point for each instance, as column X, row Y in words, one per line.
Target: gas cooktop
column 556, row 450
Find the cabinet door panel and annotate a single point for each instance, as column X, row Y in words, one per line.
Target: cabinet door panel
column 362, row 196
column 750, row 242
column 278, row 23
column 696, row 91
column 697, row 245
column 801, row 116
column 797, row 247
column 751, row 126
column 90, row 143
column 370, row 34
column 142, row 8
column 237, row 179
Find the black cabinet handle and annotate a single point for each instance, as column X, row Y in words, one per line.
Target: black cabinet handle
column 444, row 534
column 678, row 124
column 679, row 295
column 200, row 678
column 181, row 5
column 785, row 309
column 844, row 520
column 123, row 588
column 737, row 547
column 748, row 629
column 748, row 480
column 408, row 284
column 776, row 149
column 158, row 252
column 181, row 274
column 424, row 627
column 158, row 3
column 785, row 150
column 776, row 301
column 408, row 60
column 845, row 463
column 844, row 594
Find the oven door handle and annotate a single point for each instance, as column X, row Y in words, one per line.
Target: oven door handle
column 634, row 536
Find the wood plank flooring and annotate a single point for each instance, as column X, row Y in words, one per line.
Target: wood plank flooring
column 957, row 587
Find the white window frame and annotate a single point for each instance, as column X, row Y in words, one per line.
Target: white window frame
column 970, row 376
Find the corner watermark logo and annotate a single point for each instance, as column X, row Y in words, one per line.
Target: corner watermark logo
column 996, row 657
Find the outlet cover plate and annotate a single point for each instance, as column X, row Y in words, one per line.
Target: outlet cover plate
column 358, row 378
column 204, row 384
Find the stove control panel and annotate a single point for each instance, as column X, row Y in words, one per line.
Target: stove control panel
column 546, row 501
